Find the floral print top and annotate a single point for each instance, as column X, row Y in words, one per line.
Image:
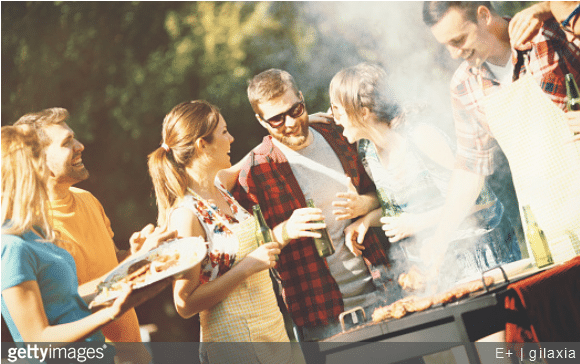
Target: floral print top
column 222, row 242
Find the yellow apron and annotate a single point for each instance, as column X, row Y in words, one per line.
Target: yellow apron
column 532, row 131
column 250, row 313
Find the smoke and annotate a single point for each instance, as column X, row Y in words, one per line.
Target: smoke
column 419, row 69
column 392, row 34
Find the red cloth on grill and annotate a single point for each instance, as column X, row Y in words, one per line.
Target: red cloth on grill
column 546, row 306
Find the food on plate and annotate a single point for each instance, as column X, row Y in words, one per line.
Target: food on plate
column 158, row 264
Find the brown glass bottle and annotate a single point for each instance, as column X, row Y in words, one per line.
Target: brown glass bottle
column 323, row 244
column 263, row 232
column 537, row 240
column 388, row 205
column 572, row 93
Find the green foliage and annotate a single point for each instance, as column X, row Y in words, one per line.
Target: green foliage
column 119, row 67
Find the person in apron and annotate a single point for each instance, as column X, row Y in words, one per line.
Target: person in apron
column 231, row 289
column 475, row 32
column 411, row 162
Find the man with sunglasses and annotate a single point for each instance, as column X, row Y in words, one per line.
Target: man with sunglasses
column 295, row 162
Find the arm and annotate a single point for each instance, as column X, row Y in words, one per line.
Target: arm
column 147, row 239
column 354, row 234
column 25, row 305
column 354, row 205
column 299, row 225
column 399, row 227
column 464, row 188
column 189, row 295
column 229, row 176
column 321, row 117
column 526, row 24
column 433, row 145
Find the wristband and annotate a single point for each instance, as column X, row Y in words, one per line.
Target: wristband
column 285, row 236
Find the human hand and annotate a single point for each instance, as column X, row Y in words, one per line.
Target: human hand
column 130, row 298
column 150, row 237
column 399, row 227
column 264, row 257
column 353, row 205
column 525, row 25
column 573, row 119
column 354, row 235
column 302, row 223
column 321, row 118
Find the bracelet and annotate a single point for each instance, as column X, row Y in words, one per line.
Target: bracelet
column 285, row 236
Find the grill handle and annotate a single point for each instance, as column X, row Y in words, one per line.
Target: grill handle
column 341, row 316
column 505, row 277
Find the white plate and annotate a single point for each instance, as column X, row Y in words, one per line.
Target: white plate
column 192, row 251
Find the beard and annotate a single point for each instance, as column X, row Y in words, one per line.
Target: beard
column 293, row 141
column 74, row 176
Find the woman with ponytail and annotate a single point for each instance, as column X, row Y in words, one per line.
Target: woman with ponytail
column 411, row 162
column 231, row 289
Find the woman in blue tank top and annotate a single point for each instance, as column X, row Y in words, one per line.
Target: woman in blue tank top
column 411, row 162
column 40, row 299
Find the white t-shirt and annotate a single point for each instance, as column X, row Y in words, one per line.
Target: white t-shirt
column 321, row 176
column 503, row 74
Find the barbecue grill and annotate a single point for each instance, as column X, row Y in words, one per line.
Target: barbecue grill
column 449, row 325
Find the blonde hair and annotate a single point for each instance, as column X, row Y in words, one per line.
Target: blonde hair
column 182, row 127
column 40, row 120
column 24, row 193
column 365, row 85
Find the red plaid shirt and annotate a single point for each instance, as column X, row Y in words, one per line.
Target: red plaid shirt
column 475, row 144
column 310, row 292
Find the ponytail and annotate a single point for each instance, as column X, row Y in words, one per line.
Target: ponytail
column 182, row 127
column 169, row 181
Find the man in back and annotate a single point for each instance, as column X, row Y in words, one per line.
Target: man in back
column 475, row 32
column 296, row 162
column 77, row 214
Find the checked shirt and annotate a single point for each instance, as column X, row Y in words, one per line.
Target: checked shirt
column 309, row 290
column 550, row 58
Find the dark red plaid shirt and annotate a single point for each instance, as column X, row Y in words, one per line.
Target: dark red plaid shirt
column 310, row 292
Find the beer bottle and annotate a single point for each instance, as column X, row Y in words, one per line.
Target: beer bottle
column 263, row 232
column 324, row 243
column 537, row 240
column 573, row 102
column 574, row 240
column 388, row 205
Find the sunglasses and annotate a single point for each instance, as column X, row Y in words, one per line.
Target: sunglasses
column 565, row 25
column 295, row 111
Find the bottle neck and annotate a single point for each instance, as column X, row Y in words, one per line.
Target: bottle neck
column 572, row 93
column 259, row 216
column 529, row 216
column 571, row 87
